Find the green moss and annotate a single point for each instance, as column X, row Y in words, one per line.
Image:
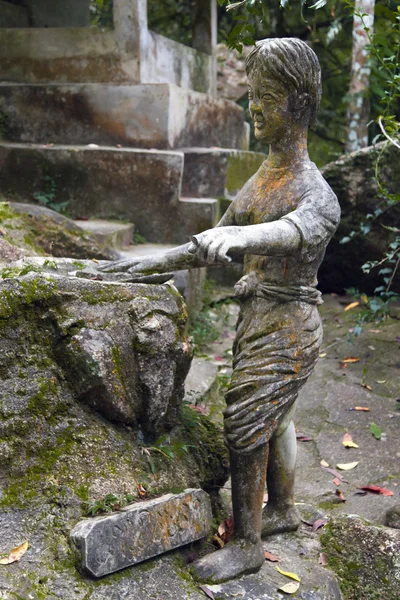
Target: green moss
column 240, row 168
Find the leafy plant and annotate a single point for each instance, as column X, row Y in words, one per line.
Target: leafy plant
column 47, row 196
column 109, row 503
column 101, row 13
column 165, row 447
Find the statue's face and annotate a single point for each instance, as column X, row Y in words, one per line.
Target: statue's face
column 269, row 108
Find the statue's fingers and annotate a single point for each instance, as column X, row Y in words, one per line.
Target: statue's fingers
column 222, row 254
column 213, row 250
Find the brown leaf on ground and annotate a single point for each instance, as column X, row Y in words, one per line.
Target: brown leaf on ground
column 340, row 496
column 323, row 560
column 368, row 387
column 334, row 473
column 207, row 592
column 319, row 523
column 216, row 540
column 225, row 530
column 361, row 408
column 336, row 481
column 142, row 491
column 15, row 554
column 347, row 441
column 271, row 557
column 376, row 490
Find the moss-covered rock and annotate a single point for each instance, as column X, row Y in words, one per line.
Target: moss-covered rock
column 60, row 448
column 37, row 230
column 353, row 179
column 365, row 558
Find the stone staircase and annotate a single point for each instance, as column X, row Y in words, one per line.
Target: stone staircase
column 95, row 147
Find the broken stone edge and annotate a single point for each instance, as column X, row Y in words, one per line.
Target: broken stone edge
column 83, row 533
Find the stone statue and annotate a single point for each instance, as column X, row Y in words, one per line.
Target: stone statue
column 279, row 225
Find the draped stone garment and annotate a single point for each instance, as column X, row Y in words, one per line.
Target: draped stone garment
column 275, row 350
column 279, row 330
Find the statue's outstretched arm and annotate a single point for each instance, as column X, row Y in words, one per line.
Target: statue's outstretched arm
column 223, row 244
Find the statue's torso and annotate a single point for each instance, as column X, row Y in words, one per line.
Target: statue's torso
column 273, row 193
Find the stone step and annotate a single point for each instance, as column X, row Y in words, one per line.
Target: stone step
column 150, row 115
column 110, row 234
column 218, row 172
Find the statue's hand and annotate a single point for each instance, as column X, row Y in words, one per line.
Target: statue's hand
column 142, row 264
column 214, row 245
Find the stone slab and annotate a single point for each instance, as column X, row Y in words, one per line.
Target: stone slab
column 218, row 172
column 109, row 233
column 151, row 115
column 141, row 531
column 141, row 186
column 12, row 15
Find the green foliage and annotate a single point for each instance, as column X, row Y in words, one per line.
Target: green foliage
column 109, row 503
column 172, row 18
column 376, row 431
column 47, row 196
column 101, row 13
column 203, row 329
column 166, row 447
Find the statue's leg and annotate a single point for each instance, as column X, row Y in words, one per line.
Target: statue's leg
column 280, row 514
column 244, row 553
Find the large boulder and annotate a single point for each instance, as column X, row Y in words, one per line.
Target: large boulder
column 365, row 558
column 38, row 230
column 353, row 178
column 91, row 387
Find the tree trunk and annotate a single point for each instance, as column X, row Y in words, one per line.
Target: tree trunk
column 358, row 108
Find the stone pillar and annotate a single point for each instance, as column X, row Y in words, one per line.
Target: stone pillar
column 130, row 24
column 204, row 26
column 204, row 38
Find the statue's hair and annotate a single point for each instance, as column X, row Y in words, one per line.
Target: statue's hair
column 291, row 62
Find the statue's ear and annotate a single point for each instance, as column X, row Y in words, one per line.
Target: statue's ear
column 301, row 101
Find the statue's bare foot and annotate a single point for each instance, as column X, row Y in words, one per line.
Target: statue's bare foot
column 235, row 559
column 276, row 520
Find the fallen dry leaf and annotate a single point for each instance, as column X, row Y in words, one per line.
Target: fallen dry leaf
column 350, row 359
column 361, row 408
column 347, row 441
column 337, row 481
column 347, row 466
column 322, row 355
column 289, row 588
column 323, row 463
column 225, row 530
column 340, row 496
column 15, row 554
column 207, row 592
column 323, row 560
column 376, row 490
column 288, row 574
column 319, row 523
column 375, row 330
column 381, row 381
column 300, row 437
column 368, row 387
column 334, row 473
column 272, row 557
column 142, row 491
column 217, row 541
column 352, row 305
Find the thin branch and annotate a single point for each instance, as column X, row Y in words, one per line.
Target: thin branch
column 387, row 136
column 393, row 274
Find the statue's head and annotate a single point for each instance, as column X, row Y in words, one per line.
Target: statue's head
column 284, row 86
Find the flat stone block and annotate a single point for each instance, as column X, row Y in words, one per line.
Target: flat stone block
column 141, row 531
column 109, row 233
column 152, row 115
column 141, row 186
column 218, row 172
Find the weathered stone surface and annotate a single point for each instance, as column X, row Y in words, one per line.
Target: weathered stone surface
column 139, row 182
column 39, row 230
column 57, row 453
column 231, row 72
column 152, row 115
column 12, row 15
column 141, row 531
column 218, row 173
column 109, row 233
column 69, row 13
column 364, row 557
column 352, row 178
column 392, row 517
